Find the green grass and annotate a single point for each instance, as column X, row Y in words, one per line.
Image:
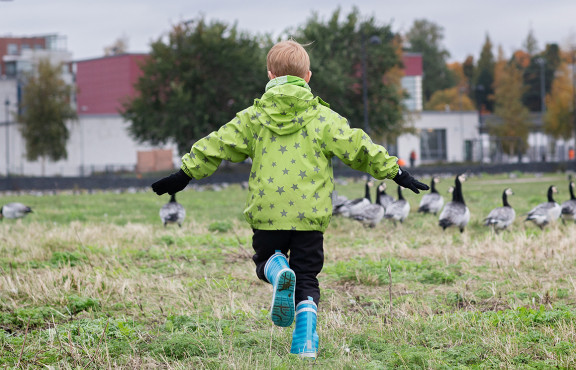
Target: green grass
column 96, row 281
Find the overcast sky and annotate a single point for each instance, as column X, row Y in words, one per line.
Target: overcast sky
column 90, row 26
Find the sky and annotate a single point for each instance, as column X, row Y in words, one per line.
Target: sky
column 90, row 26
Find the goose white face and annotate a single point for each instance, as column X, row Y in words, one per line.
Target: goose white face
column 462, row 178
column 554, row 190
column 382, row 187
column 451, row 189
column 436, row 180
column 509, row 191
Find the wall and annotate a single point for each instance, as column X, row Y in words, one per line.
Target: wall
column 460, row 126
column 104, row 83
column 98, row 143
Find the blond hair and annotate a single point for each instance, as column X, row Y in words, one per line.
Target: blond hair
column 288, row 58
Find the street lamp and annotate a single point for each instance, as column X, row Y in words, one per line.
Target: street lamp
column 6, row 105
column 374, row 40
column 479, row 98
column 542, row 62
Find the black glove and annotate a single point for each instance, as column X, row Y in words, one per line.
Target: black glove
column 404, row 179
column 171, row 184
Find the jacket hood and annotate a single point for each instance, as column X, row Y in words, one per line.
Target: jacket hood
column 287, row 105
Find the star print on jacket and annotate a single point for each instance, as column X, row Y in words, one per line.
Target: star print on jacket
column 291, row 137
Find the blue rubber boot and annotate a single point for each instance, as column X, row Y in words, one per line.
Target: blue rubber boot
column 305, row 339
column 281, row 276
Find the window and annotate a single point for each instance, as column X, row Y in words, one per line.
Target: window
column 10, row 69
column 12, row 49
column 433, row 145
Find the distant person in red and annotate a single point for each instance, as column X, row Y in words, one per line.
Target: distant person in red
column 571, row 154
column 412, row 158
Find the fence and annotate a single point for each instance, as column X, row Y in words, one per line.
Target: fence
column 240, row 174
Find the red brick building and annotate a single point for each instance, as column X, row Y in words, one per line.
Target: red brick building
column 104, row 83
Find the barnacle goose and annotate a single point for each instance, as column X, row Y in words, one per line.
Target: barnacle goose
column 501, row 217
column 399, row 209
column 431, row 202
column 385, row 199
column 371, row 214
column 172, row 212
column 455, row 212
column 14, row 210
column 352, row 206
column 546, row 212
column 568, row 208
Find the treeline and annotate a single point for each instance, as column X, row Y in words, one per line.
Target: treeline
column 509, row 86
column 199, row 75
column 203, row 73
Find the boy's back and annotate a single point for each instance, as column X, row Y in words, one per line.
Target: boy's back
column 291, row 137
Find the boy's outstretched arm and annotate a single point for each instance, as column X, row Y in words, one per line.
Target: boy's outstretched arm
column 230, row 143
column 355, row 148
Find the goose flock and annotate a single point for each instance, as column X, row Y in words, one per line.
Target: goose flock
column 455, row 213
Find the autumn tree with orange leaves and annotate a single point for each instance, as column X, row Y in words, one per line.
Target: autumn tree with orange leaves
column 514, row 127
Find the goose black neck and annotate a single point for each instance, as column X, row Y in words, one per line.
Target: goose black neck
column 400, row 196
column 572, row 191
column 457, row 193
column 173, row 198
column 551, row 194
column 378, row 194
column 433, row 186
column 367, row 192
column 505, row 199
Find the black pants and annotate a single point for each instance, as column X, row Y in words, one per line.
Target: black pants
column 306, row 257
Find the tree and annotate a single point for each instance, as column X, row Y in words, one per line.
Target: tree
column 336, row 61
column 560, row 105
column 468, row 69
column 453, row 99
column 426, row 37
column 195, row 82
column 120, row 46
column 514, row 128
column 484, row 79
column 546, row 63
column 531, row 44
column 45, row 110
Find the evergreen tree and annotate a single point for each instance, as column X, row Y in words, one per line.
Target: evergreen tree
column 531, row 44
column 426, row 37
column 540, row 71
column 484, row 79
column 468, row 69
column 45, row 110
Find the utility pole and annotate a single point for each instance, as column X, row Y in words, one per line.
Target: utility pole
column 6, row 123
column 574, row 94
column 374, row 40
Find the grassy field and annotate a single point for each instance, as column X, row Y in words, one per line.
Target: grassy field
column 95, row 281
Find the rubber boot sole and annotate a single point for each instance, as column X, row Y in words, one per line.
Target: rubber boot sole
column 282, row 312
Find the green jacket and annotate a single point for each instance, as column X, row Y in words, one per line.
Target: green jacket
column 291, row 137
